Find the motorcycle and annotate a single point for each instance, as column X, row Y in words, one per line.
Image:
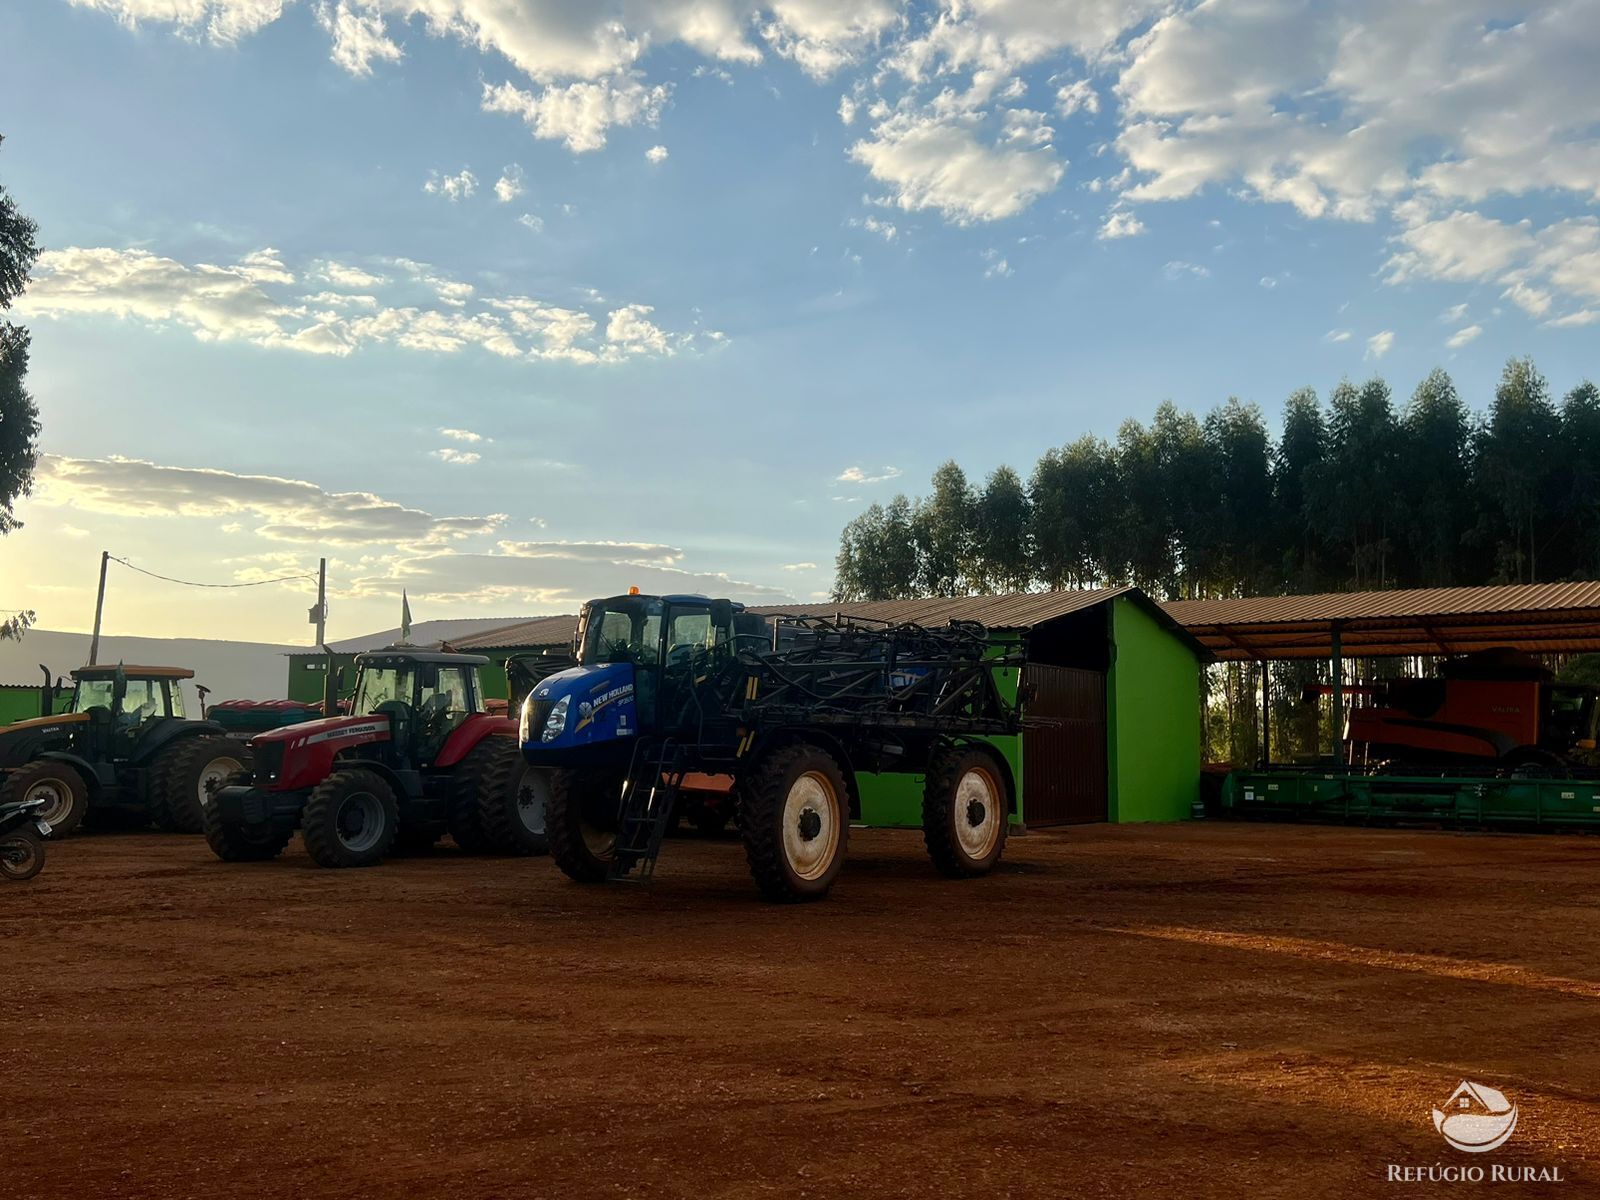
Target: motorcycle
column 22, row 835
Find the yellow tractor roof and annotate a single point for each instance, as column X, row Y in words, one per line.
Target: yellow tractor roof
column 101, row 671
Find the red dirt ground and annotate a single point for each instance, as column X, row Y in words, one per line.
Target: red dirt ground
column 1211, row 1010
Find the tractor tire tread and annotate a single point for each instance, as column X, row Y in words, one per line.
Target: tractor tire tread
column 763, row 790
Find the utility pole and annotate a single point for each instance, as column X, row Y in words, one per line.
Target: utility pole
column 99, row 609
column 319, row 614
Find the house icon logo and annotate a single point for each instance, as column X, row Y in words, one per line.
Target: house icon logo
column 1476, row 1118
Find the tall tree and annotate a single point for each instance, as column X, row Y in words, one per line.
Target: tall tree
column 1435, row 484
column 1580, row 504
column 1073, row 499
column 1297, row 469
column 1356, row 493
column 1001, row 551
column 19, row 418
column 1517, row 475
column 1240, row 548
column 943, row 528
column 877, row 555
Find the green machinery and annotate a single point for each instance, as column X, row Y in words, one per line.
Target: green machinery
column 1510, row 801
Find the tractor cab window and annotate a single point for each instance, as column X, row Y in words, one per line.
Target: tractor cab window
column 444, row 701
column 174, row 691
column 627, row 630
column 1569, row 717
column 141, row 701
column 92, row 693
column 380, row 685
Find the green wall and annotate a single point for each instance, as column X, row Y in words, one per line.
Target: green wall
column 1152, row 718
column 21, row 703
column 896, row 800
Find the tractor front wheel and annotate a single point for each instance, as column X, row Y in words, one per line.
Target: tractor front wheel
column 965, row 810
column 580, row 820
column 242, row 843
column 60, row 785
column 794, row 817
column 21, row 854
column 188, row 774
column 350, row 820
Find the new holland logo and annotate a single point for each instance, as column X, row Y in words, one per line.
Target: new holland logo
column 1476, row 1118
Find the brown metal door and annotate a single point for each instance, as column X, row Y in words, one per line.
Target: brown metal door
column 1064, row 746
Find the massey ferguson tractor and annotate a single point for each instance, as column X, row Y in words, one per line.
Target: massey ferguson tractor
column 123, row 743
column 1497, row 708
column 415, row 757
column 786, row 711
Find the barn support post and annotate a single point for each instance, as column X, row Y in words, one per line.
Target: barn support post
column 1266, row 713
column 1338, row 696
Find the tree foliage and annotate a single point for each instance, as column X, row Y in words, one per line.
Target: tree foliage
column 19, row 418
column 1349, row 494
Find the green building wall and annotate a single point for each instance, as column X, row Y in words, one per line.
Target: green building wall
column 1152, row 720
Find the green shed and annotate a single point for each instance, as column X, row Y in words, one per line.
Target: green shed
column 532, row 637
column 1114, row 686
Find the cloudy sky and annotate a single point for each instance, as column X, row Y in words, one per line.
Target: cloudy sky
column 515, row 302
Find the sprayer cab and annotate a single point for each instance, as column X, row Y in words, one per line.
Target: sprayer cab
column 647, row 665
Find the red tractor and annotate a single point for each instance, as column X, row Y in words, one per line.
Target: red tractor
column 415, row 757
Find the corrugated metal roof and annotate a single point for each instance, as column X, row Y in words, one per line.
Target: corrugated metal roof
column 423, row 633
column 1018, row 610
column 1540, row 618
column 538, row 631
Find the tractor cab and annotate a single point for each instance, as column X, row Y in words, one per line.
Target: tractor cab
column 123, row 705
column 646, row 665
column 425, row 695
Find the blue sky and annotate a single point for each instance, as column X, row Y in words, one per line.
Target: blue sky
column 692, row 282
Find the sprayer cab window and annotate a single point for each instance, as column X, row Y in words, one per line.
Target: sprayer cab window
column 624, row 631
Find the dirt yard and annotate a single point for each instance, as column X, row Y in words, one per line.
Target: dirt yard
column 1207, row 1010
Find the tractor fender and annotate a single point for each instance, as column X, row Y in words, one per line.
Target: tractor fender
column 796, row 734
column 169, row 731
column 404, row 788
column 464, row 738
column 96, row 778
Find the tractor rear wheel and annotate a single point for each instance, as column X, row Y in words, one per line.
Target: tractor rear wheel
column 965, row 811
column 242, row 843
column 511, row 797
column 795, row 820
column 186, row 775
column 580, row 820
column 350, row 820
column 53, row 781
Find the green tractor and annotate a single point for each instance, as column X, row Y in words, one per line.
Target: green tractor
column 123, row 744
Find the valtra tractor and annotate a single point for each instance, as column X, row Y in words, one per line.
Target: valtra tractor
column 1497, row 708
column 787, row 711
column 123, row 743
column 415, row 757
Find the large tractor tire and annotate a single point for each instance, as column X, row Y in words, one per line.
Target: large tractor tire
column 57, row 782
column 185, row 776
column 580, row 818
column 512, row 797
column 965, row 811
column 794, row 817
column 350, row 820
column 242, row 843
column 465, row 815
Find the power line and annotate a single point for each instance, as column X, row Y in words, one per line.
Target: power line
column 191, row 583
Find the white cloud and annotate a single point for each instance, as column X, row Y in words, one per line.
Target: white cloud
column 219, row 20
column 461, row 435
column 800, row 566
column 288, row 510
column 1337, row 335
column 1120, row 224
column 460, row 186
column 822, row 36
column 1462, row 336
column 510, row 185
column 1378, row 344
column 529, row 221
column 998, row 267
column 343, row 275
column 884, row 229
column 238, row 303
column 460, row 458
column 1454, row 313
column 359, row 37
column 847, row 110
column 656, row 155
column 932, row 162
column 579, row 114
column 1078, row 96
column 860, row 475
column 1178, row 269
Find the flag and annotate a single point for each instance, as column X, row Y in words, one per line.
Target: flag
column 405, row 617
